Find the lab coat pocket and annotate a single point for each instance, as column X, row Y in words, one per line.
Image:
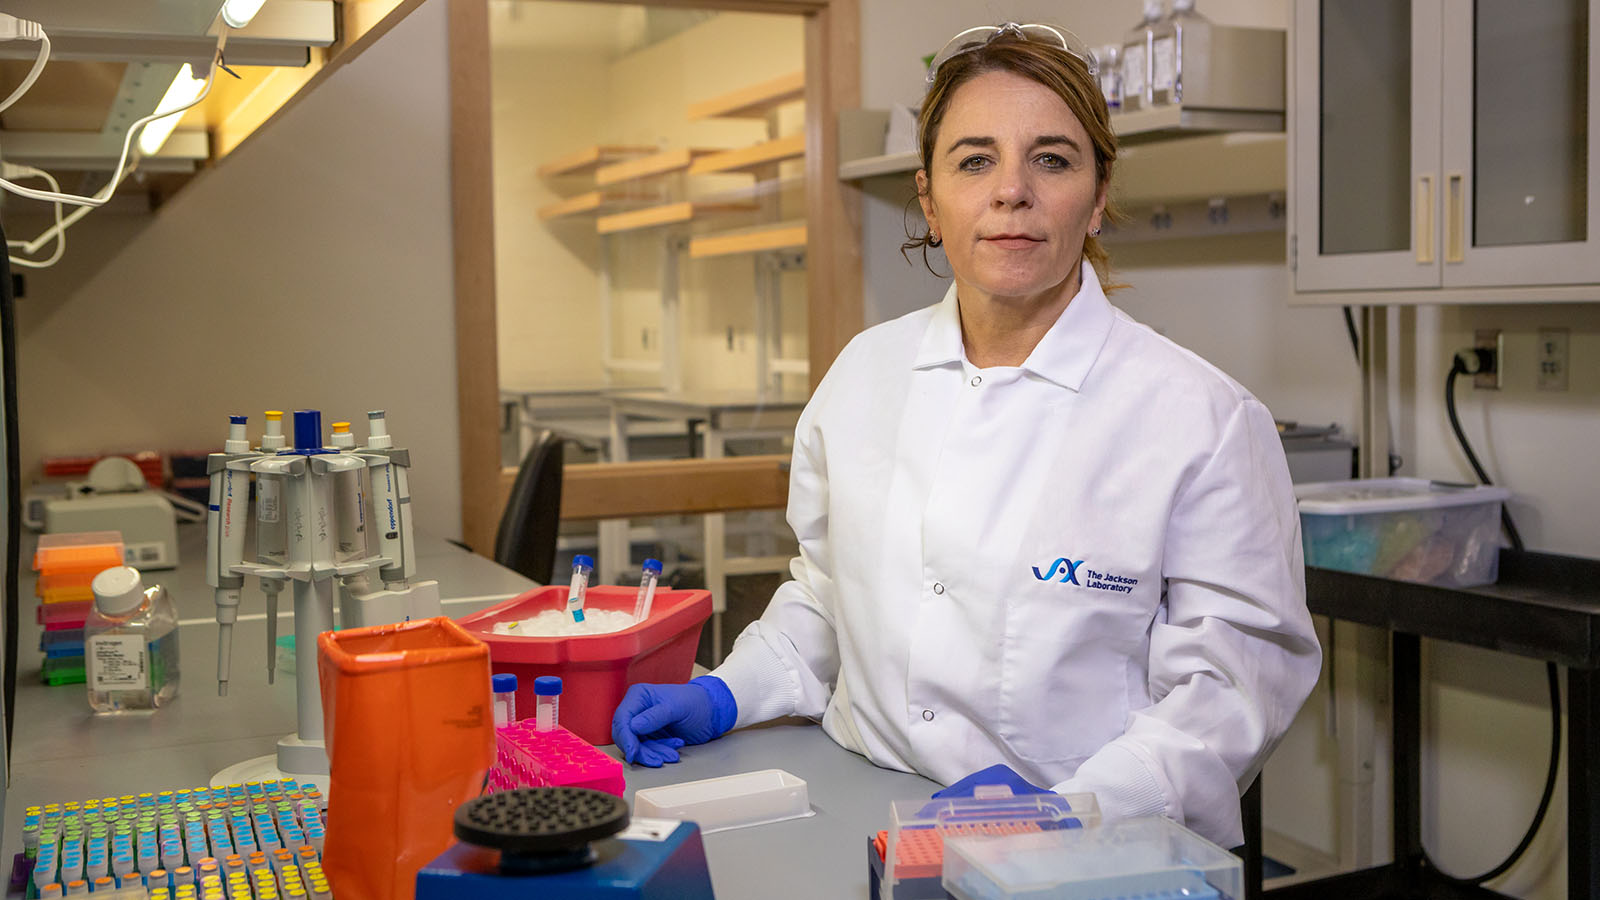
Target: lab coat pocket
column 1064, row 674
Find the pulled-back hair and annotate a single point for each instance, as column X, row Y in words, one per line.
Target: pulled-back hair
column 1065, row 74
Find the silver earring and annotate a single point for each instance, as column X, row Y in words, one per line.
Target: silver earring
column 935, row 241
column 1095, row 233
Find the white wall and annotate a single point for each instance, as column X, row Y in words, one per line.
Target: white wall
column 311, row 268
column 1487, row 718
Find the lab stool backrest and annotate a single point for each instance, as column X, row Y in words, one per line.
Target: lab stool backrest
column 526, row 539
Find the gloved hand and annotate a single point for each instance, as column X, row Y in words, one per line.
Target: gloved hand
column 996, row 774
column 654, row 720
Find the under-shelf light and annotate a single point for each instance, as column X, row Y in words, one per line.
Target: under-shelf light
column 238, row 13
column 185, row 88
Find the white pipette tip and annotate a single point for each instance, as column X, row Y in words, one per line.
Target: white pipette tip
column 222, row 687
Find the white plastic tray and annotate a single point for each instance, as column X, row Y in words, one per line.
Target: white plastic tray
column 732, row 801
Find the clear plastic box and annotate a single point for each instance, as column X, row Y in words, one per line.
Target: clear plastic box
column 918, row 828
column 732, row 801
column 1408, row 529
column 1151, row 858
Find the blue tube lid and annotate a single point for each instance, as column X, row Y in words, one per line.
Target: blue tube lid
column 547, row 686
column 503, row 683
column 582, row 560
column 236, row 420
column 653, row 565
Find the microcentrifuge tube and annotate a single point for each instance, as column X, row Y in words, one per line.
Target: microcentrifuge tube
column 547, row 697
column 582, row 566
column 648, row 576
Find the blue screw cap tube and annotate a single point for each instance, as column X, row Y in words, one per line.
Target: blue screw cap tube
column 648, row 576
column 582, row 566
column 504, row 686
column 547, row 697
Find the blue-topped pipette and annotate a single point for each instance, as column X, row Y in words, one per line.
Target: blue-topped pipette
column 581, row 567
column 648, row 576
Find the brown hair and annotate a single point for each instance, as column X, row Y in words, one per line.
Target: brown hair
column 1063, row 73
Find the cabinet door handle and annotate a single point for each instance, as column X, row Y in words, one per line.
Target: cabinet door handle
column 1455, row 219
column 1424, row 217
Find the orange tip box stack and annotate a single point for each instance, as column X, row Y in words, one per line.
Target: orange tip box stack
column 595, row 669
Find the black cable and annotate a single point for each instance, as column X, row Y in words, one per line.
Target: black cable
column 1459, row 368
column 1355, row 337
column 13, row 490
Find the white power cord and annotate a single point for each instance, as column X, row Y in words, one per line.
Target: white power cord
column 24, row 29
column 12, row 171
column 13, row 29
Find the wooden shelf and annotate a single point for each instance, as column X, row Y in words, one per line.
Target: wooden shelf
column 589, row 158
column 749, row 240
column 591, row 202
column 651, row 166
column 753, row 102
column 670, row 214
column 747, row 159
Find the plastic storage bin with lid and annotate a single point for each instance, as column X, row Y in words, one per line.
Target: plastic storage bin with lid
column 1409, row 529
column 595, row 669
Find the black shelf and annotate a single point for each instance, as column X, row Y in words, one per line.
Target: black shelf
column 1544, row 606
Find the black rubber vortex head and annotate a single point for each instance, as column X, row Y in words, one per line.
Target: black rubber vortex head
column 540, row 821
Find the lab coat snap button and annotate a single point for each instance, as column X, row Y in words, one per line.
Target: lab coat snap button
column 938, row 588
column 927, row 715
column 977, row 380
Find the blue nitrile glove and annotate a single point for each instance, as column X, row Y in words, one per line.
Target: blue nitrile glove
column 654, row 720
column 996, row 774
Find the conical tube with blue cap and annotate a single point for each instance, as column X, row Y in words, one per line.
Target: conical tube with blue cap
column 582, row 566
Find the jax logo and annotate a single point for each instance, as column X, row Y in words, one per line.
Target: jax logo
column 1066, row 568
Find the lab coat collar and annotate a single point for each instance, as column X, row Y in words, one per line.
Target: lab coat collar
column 1064, row 355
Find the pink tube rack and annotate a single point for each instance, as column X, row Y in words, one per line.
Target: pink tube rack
column 527, row 757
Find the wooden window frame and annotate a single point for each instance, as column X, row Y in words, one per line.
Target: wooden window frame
column 833, row 217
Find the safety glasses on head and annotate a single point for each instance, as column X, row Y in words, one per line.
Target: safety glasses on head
column 981, row 36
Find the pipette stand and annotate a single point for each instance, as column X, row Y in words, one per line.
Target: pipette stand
column 318, row 573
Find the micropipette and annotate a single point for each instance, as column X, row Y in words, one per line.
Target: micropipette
column 581, row 567
column 648, row 577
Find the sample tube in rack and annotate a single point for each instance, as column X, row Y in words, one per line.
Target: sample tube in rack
column 505, row 698
column 547, row 699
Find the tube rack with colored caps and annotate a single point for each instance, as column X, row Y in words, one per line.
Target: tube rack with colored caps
column 179, row 844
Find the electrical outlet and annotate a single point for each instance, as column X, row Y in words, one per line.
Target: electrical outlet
column 1491, row 340
column 1552, row 358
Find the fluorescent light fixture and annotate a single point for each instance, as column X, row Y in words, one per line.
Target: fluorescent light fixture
column 185, row 88
column 238, row 13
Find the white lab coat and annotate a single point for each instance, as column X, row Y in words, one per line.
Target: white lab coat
column 1087, row 567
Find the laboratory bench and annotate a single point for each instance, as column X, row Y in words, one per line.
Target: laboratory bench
column 1543, row 606
column 60, row 751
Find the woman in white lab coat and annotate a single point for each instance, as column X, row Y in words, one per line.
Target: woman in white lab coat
column 1040, row 544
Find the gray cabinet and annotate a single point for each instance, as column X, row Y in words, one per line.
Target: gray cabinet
column 1442, row 151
